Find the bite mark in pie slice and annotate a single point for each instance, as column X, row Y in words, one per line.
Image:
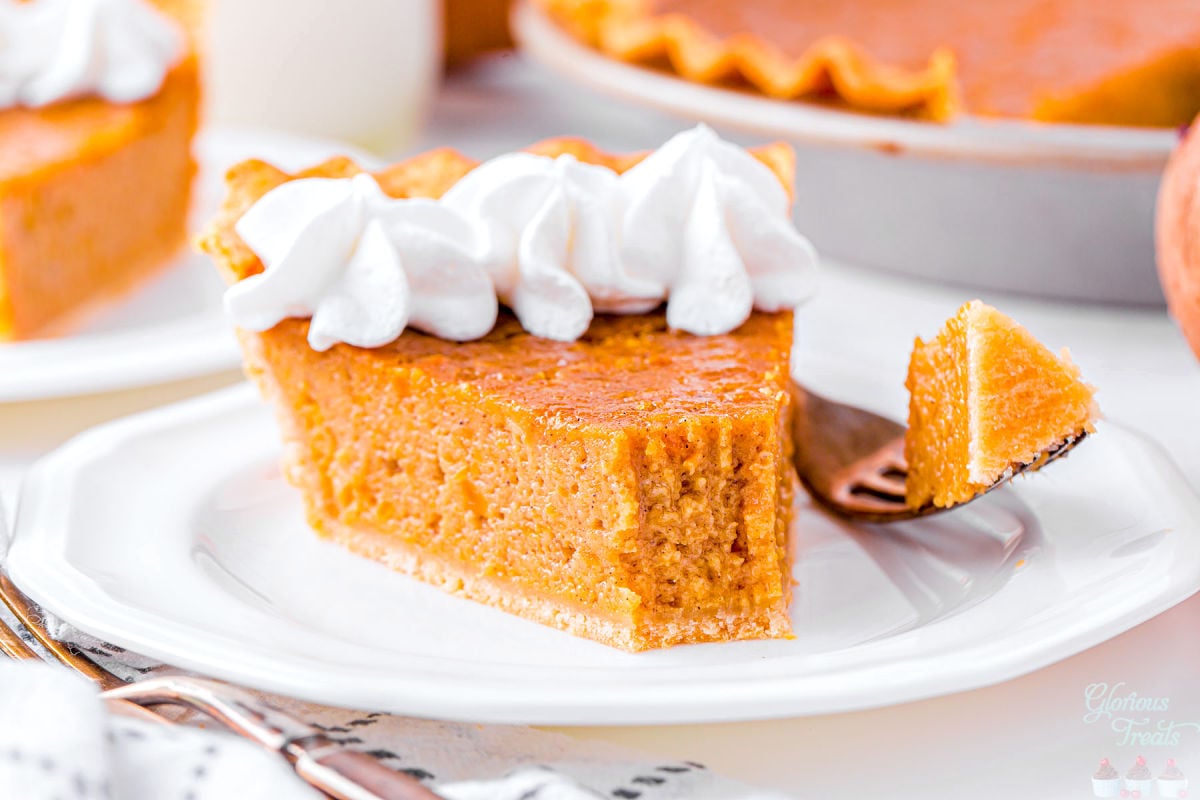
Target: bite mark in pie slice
column 986, row 397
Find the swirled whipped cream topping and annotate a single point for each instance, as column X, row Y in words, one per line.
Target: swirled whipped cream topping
column 54, row 50
column 710, row 224
column 362, row 265
column 700, row 224
column 550, row 239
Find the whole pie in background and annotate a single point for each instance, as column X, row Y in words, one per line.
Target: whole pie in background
column 1072, row 61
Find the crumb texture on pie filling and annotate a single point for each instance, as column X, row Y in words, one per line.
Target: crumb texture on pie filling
column 632, row 485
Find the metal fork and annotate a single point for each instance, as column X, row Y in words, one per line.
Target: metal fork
column 852, row 461
column 339, row 772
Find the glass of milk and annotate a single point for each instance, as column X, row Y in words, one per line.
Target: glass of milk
column 362, row 71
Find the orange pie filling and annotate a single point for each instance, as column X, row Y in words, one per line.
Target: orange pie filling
column 602, row 497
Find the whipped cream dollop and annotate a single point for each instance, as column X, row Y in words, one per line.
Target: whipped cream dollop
column 710, row 224
column 54, row 50
column 362, row 265
column 699, row 224
column 551, row 241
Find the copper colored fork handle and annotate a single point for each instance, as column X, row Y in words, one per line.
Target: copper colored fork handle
column 321, row 762
column 349, row 775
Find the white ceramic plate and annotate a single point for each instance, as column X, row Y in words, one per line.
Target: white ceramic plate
column 1064, row 211
column 171, row 328
column 172, row 533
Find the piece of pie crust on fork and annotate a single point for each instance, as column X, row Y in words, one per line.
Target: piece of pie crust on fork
column 633, row 486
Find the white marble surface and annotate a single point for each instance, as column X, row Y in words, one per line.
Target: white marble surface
column 1025, row 738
